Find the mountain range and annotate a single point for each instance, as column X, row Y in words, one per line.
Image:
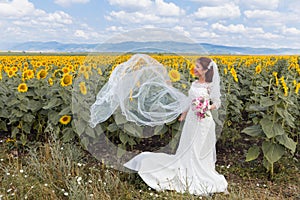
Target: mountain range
column 150, row 47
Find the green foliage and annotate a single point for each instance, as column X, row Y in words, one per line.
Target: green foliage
column 28, row 116
column 272, row 116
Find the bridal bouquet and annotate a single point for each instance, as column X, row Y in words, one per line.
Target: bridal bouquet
column 200, row 106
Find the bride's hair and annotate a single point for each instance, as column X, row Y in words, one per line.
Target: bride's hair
column 205, row 63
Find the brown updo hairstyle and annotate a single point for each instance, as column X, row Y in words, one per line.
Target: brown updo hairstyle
column 204, row 62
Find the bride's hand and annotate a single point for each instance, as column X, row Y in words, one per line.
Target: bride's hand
column 182, row 117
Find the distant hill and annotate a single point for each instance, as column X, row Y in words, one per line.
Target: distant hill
column 151, row 47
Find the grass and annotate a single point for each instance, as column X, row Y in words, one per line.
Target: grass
column 56, row 170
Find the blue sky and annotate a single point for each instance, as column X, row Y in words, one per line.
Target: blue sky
column 254, row 23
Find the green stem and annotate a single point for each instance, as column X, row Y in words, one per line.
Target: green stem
column 269, row 89
column 272, row 170
column 269, row 93
column 228, row 90
column 275, row 110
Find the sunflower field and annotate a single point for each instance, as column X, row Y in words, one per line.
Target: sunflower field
column 37, row 95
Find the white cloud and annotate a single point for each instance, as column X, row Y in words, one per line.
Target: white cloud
column 57, row 17
column 259, row 4
column 81, row 34
column 262, row 14
column 16, row 8
column 168, row 9
column 215, row 2
column 242, row 35
column 132, row 4
column 135, row 17
column 24, row 22
column 147, row 26
column 291, row 31
column 69, row 2
column 24, row 12
column 115, row 29
column 40, row 20
column 291, row 5
column 238, row 28
column 227, row 11
column 267, row 36
column 139, row 18
column 182, row 31
column 156, row 7
column 203, row 33
column 272, row 19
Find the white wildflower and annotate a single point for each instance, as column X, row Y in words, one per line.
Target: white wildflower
column 79, row 179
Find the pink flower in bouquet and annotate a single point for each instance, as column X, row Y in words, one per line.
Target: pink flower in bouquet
column 200, row 106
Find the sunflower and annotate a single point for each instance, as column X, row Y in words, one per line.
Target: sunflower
column 82, row 87
column 28, row 74
column 65, row 119
column 15, row 69
column 82, row 69
column 41, row 74
column 65, row 70
column 70, row 67
column 100, row 72
column 258, row 69
column 86, row 75
column 11, row 73
column 22, row 87
column 285, row 88
column 297, row 88
column 50, row 81
column 225, row 71
column 25, row 64
column 192, row 72
column 276, row 78
column 174, row 75
column 234, row 75
column 66, row 80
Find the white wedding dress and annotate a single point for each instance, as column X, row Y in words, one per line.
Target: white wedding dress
column 192, row 168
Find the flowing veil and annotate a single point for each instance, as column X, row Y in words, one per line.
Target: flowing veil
column 140, row 87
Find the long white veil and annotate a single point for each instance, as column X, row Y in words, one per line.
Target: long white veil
column 140, row 87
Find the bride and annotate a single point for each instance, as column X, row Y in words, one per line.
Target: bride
column 192, row 167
